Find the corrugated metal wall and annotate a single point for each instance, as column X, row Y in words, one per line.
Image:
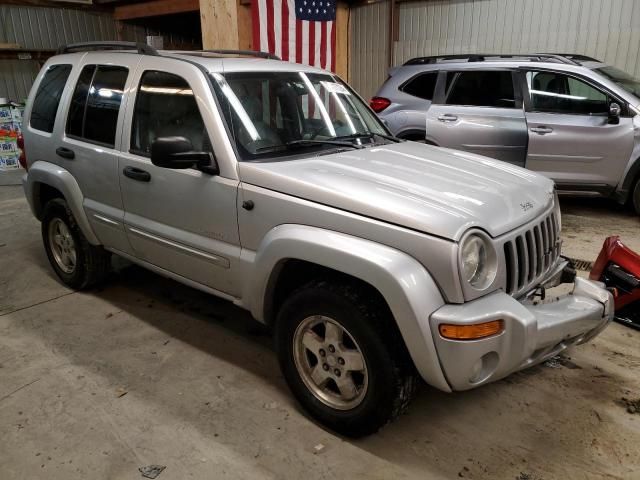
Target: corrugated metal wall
column 48, row 28
column 608, row 30
column 369, row 47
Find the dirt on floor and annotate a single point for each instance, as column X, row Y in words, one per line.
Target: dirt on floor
column 144, row 371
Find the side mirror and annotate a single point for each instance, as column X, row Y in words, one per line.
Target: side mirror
column 177, row 153
column 614, row 113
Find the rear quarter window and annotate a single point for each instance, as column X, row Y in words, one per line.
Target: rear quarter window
column 421, row 86
column 47, row 99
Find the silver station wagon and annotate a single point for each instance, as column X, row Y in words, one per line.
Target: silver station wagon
column 570, row 117
column 376, row 261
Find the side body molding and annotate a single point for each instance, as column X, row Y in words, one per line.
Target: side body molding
column 408, row 288
column 60, row 179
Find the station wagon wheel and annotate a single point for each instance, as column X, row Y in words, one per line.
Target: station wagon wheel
column 343, row 357
column 330, row 362
column 76, row 262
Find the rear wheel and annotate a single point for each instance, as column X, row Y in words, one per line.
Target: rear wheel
column 342, row 358
column 76, row 262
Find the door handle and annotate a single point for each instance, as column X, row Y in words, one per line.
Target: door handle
column 541, row 130
column 137, row 174
column 65, row 153
column 447, row 117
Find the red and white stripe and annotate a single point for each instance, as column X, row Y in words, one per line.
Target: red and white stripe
column 276, row 30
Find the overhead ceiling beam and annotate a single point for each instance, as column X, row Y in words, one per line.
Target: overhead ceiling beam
column 155, row 8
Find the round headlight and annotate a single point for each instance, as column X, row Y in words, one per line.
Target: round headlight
column 478, row 261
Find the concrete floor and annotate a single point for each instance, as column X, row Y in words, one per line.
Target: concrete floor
column 145, row 371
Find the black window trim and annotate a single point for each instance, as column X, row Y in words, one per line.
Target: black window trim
column 613, row 97
column 84, row 113
column 60, row 104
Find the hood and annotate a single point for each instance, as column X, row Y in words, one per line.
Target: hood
column 433, row 190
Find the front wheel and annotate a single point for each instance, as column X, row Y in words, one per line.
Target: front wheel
column 343, row 359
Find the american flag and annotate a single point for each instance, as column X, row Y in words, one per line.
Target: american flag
column 301, row 31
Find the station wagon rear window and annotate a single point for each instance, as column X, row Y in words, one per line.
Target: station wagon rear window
column 47, row 99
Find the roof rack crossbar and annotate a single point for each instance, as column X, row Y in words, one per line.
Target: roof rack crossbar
column 141, row 48
column 250, row 53
column 483, row 57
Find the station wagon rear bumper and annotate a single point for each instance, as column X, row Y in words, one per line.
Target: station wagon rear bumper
column 534, row 330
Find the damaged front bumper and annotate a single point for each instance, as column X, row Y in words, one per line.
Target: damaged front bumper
column 534, row 329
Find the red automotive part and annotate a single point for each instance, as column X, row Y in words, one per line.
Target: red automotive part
column 619, row 267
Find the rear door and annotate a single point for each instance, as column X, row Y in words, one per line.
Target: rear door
column 89, row 147
column 479, row 111
column 571, row 139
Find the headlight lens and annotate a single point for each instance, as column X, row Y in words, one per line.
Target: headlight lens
column 478, row 261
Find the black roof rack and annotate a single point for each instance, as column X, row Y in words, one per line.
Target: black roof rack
column 578, row 57
column 475, row 57
column 248, row 53
column 141, row 48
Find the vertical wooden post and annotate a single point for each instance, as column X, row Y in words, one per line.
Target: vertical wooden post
column 342, row 41
column 219, row 21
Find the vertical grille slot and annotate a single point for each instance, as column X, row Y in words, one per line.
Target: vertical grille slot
column 523, row 264
column 512, row 267
column 539, row 249
column 532, row 256
column 545, row 243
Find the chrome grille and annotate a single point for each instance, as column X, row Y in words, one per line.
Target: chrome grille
column 530, row 254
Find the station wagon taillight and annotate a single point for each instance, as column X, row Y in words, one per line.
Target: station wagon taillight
column 378, row 104
column 22, row 158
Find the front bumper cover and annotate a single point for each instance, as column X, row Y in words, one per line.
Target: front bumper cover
column 535, row 330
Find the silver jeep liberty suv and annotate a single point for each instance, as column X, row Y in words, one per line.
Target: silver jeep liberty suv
column 273, row 185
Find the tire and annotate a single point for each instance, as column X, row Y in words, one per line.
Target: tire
column 76, row 262
column 385, row 385
column 635, row 196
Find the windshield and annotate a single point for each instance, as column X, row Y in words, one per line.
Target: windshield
column 626, row 81
column 283, row 114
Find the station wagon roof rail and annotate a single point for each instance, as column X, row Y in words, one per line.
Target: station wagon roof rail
column 536, row 57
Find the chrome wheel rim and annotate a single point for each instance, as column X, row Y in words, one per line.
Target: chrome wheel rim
column 330, row 362
column 63, row 246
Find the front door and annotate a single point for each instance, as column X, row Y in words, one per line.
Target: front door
column 571, row 139
column 183, row 221
column 481, row 112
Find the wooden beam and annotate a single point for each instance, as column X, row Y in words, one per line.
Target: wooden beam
column 219, row 21
column 245, row 26
column 343, row 17
column 155, row 8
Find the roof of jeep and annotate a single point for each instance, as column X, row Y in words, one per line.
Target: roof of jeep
column 211, row 61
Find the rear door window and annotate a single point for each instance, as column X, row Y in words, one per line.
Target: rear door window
column 559, row 93
column 47, row 99
column 421, row 86
column 95, row 105
column 481, row 89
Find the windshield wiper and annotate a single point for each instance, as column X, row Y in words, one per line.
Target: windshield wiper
column 306, row 142
column 371, row 135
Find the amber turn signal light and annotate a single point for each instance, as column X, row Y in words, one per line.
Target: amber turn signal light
column 471, row 332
